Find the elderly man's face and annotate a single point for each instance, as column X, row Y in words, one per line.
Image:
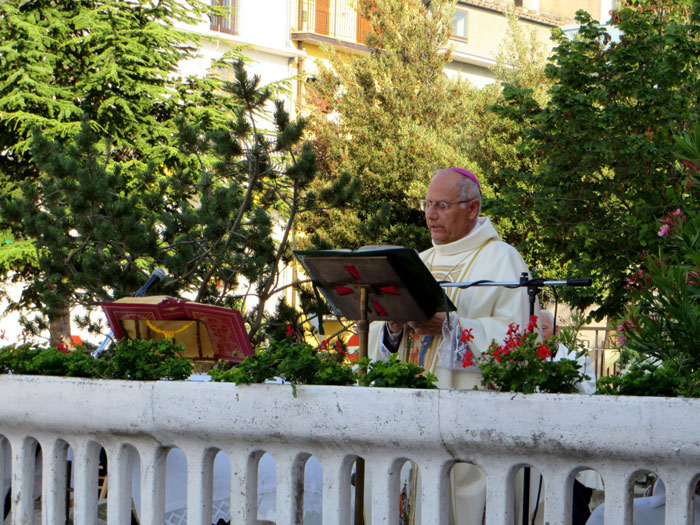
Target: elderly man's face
column 546, row 325
column 458, row 219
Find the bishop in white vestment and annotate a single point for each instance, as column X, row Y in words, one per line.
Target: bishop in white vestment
column 466, row 248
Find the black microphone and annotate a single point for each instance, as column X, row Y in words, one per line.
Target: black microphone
column 157, row 276
column 579, row 282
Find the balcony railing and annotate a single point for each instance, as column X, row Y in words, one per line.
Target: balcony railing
column 338, row 19
column 557, row 434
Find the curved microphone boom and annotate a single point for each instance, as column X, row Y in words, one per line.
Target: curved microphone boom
column 157, row 276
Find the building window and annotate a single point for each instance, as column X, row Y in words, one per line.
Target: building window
column 227, row 21
column 459, row 25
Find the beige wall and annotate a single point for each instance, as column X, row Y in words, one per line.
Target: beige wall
column 487, row 30
column 568, row 9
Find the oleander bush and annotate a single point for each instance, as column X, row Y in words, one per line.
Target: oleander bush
column 658, row 333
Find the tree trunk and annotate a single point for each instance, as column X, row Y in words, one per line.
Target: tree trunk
column 59, row 327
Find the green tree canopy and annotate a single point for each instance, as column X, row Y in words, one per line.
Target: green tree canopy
column 602, row 145
column 390, row 117
column 113, row 165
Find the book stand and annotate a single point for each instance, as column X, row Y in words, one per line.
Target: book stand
column 207, row 332
column 375, row 284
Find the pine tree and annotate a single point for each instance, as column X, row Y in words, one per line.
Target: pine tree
column 218, row 218
column 390, row 117
column 113, row 165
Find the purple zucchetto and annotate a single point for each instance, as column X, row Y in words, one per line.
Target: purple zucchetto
column 469, row 175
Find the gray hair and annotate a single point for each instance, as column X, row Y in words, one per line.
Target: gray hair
column 467, row 189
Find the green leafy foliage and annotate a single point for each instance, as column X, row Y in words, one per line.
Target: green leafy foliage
column 395, row 373
column 32, row 360
column 601, row 148
column 658, row 332
column 649, row 379
column 128, row 359
column 295, row 362
column 147, row 360
column 389, row 117
column 14, row 253
column 523, row 364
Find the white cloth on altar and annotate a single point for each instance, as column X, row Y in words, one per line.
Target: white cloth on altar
column 587, row 386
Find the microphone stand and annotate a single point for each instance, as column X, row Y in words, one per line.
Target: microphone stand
column 534, row 286
column 157, row 275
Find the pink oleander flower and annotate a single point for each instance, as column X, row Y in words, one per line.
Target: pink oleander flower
column 693, row 277
column 664, row 230
column 690, row 165
column 626, row 325
column 679, row 213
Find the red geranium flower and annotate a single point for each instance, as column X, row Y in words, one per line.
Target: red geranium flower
column 466, row 335
column 467, row 361
column 543, row 351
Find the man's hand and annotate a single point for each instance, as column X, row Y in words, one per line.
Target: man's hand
column 432, row 326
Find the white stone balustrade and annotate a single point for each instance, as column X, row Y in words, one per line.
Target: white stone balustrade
column 557, row 434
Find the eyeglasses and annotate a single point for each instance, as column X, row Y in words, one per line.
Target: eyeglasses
column 440, row 206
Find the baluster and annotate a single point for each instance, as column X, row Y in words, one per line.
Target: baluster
column 85, row 466
column 557, row 491
column 679, row 498
column 434, row 492
column 384, row 474
column 290, row 480
column 54, row 481
column 23, row 469
column 500, row 495
column 200, row 484
column 119, row 487
column 337, row 469
column 4, row 453
column 153, row 484
column 618, row 496
column 244, row 485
